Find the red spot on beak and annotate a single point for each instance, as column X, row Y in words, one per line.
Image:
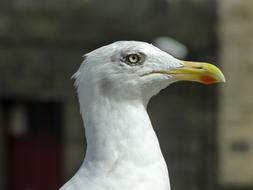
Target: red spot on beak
column 207, row 79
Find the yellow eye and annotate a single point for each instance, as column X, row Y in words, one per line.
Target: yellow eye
column 133, row 59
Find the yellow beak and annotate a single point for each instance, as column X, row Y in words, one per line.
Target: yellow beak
column 196, row 71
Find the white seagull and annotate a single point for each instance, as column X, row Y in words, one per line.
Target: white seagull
column 114, row 84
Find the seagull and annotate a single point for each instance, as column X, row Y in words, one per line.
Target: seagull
column 114, row 85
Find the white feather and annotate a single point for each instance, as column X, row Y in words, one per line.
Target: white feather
column 123, row 152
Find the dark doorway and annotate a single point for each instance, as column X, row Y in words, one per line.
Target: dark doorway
column 33, row 140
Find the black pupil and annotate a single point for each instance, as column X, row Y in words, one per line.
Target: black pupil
column 133, row 58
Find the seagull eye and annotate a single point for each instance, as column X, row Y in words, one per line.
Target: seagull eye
column 133, row 59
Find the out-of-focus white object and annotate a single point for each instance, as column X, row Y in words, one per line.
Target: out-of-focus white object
column 19, row 121
column 171, row 46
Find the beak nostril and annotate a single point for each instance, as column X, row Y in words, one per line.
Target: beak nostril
column 199, row 67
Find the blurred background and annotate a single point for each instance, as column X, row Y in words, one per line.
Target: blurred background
column 205, row 132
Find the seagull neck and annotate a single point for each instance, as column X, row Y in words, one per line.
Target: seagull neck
column 118, row 130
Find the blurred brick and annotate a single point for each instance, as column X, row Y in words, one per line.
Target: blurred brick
column 236, row 103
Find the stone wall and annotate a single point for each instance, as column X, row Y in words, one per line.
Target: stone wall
column 236, row 101
column 41, row 43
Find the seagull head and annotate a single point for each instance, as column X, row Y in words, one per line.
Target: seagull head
column 138, row 70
